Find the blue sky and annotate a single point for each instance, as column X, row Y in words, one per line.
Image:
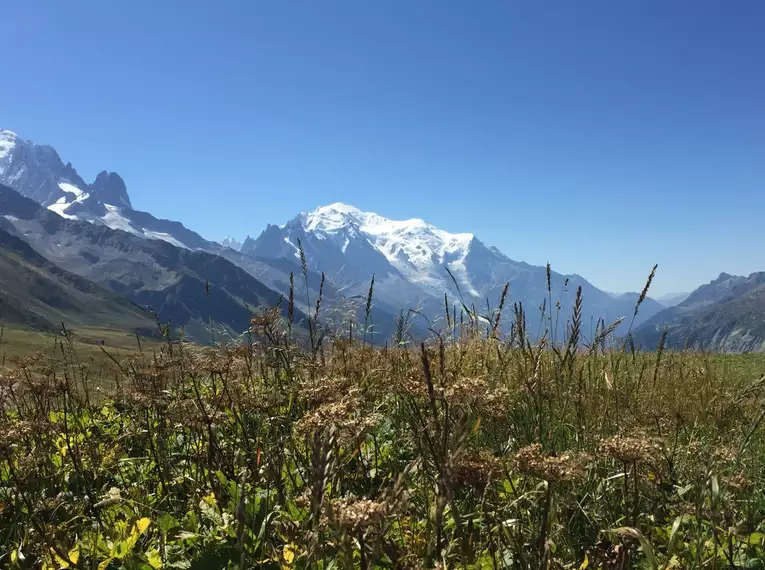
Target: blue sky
column 602, row 136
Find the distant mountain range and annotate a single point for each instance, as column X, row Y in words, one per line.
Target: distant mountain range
column 671, row 299
column 415, row 264
column 727, row 314
column 92, row 231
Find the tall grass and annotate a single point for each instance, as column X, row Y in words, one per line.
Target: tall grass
column 478, row 449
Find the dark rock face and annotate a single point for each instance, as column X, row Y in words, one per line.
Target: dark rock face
column 110, row 189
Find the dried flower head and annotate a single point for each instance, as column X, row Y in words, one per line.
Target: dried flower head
column 631, row 449
column 552, row 468
column 477, row 470
column 265, row 322
column 412, row 385
column 347, row 415
column 327, row 390
column 736, row 483
column 355, row 515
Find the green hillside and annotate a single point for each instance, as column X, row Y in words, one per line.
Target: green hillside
column 36, row 293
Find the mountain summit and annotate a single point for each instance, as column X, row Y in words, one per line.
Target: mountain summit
column 415, row 263
column 416, row 249
column 37, row 172
column 231, row 243
column 355, row 244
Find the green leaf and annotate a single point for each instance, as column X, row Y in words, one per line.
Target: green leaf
column 186, row 535
column 121, row 549
column 154, row 559
column 167, row 522
column 673, row 532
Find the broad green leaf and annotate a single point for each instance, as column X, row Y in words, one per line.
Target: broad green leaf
column 74, row 554
column 139, row 527
column 166, row 522
column 154, row 559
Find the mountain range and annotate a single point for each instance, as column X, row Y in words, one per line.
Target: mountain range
column 416, row 264
column 727, row 314
column 92, row 231
column 35, row 292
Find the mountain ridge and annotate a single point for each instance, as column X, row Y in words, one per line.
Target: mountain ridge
column 38, row 172
column 415, row 264
column 37, row 293
column 726, row 314
column 184, row 287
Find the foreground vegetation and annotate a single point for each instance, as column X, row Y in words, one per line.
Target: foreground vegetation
column 474, row 450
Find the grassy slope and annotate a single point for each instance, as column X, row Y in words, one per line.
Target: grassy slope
column 93, row 351
column 36, row 293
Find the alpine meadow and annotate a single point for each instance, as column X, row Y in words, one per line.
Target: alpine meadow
column 491, row 293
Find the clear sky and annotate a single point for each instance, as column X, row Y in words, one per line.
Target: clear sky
column 602, row 136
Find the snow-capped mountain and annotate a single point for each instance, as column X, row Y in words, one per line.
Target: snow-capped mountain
column 37, row 172
column 416, row 263
column 359, row 244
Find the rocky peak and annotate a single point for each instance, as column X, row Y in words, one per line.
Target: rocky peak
column 109, row 188
column 34, row 170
